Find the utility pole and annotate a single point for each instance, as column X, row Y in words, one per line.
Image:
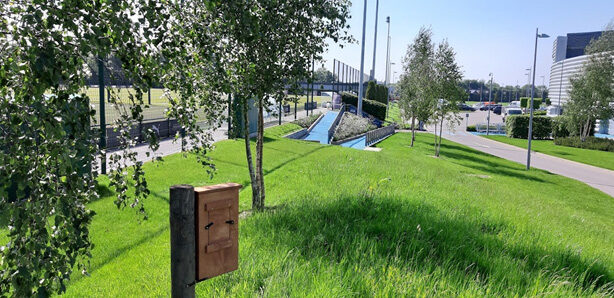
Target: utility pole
column 543, row 85
column 537, row 36
column 481, row 91
column 103, row 124
column 374, row 41
column 362, row 61
column 489, row 99
column 528, row 80
column 386, row 77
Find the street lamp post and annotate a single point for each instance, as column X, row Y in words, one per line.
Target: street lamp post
column 537, row 36
column 528, row 80
column 362, row 61
column 386, row 77
column 489, row 99
column 374, row 41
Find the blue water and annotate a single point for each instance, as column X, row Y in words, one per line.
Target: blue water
column 359, row 143
column 320, row 131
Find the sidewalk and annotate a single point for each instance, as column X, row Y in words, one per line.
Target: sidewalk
column 598, row 178
column 169, row 146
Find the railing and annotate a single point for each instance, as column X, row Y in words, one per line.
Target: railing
column 331, row 130
column 376, row 135
column 494, row 127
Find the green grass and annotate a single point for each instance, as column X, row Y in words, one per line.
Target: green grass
column 596, row 158
column 344, row 222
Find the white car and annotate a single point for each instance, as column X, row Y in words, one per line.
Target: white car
column 512, row 111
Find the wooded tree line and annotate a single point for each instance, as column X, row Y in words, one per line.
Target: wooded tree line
column 429, row 88
column 477, row 90
column 198, row 50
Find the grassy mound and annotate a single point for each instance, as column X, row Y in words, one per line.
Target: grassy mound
column 345, row 222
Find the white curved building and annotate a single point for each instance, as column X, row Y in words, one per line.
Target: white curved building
column 568, row 59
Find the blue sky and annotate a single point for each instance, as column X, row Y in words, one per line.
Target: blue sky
column 488, row 36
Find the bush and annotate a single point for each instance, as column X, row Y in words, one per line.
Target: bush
column 307, row 121
column 371, row 107
column 376, row 92
column 592, row 143
column 351, row 125
column 559, row 128
column 539, row 113
column 471, row 128
column 524, row 102
column 371, row 92
column 517, row 126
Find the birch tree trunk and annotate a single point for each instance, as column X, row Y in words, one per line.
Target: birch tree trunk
column 248, row 153
column 259, row 149
column 413, row 130
column 440, row 132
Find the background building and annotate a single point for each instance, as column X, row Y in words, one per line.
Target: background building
column 568, row 58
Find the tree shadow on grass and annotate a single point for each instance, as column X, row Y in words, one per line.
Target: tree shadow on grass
column 380, row 231
column 480, row 161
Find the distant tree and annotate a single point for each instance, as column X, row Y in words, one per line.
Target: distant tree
column 323, row 75
column 591, row 96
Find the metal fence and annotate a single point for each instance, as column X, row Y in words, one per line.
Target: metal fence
column 494, row 127
column 377, row 135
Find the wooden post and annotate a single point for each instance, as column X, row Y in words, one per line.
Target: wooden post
column 183, row 246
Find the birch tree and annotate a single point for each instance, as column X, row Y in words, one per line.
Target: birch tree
column 270, row 45
column 416, row 87
column 48, row 150
column 448, row 90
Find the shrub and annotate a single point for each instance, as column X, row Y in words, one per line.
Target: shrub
column 517, row 126
column 471, row 128
column 371, row 92
column 539, row 113
column 559, row 128
column 307, row 121
column 374, row 108
column 524, row 102
column 548, row 102
column 592, row 143
column 351, row 125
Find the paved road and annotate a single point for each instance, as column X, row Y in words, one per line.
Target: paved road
column 598, row 178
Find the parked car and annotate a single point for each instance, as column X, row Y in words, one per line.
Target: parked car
column 512, row 111
column 515, row 104
column 484, row 108
column 478, row 105
column 465, row 107
column 496, row 109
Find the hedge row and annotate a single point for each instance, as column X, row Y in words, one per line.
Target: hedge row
column 376, row 92
column 517, row 126
column 374, row 108
column 592, row 143
column 524, row 102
